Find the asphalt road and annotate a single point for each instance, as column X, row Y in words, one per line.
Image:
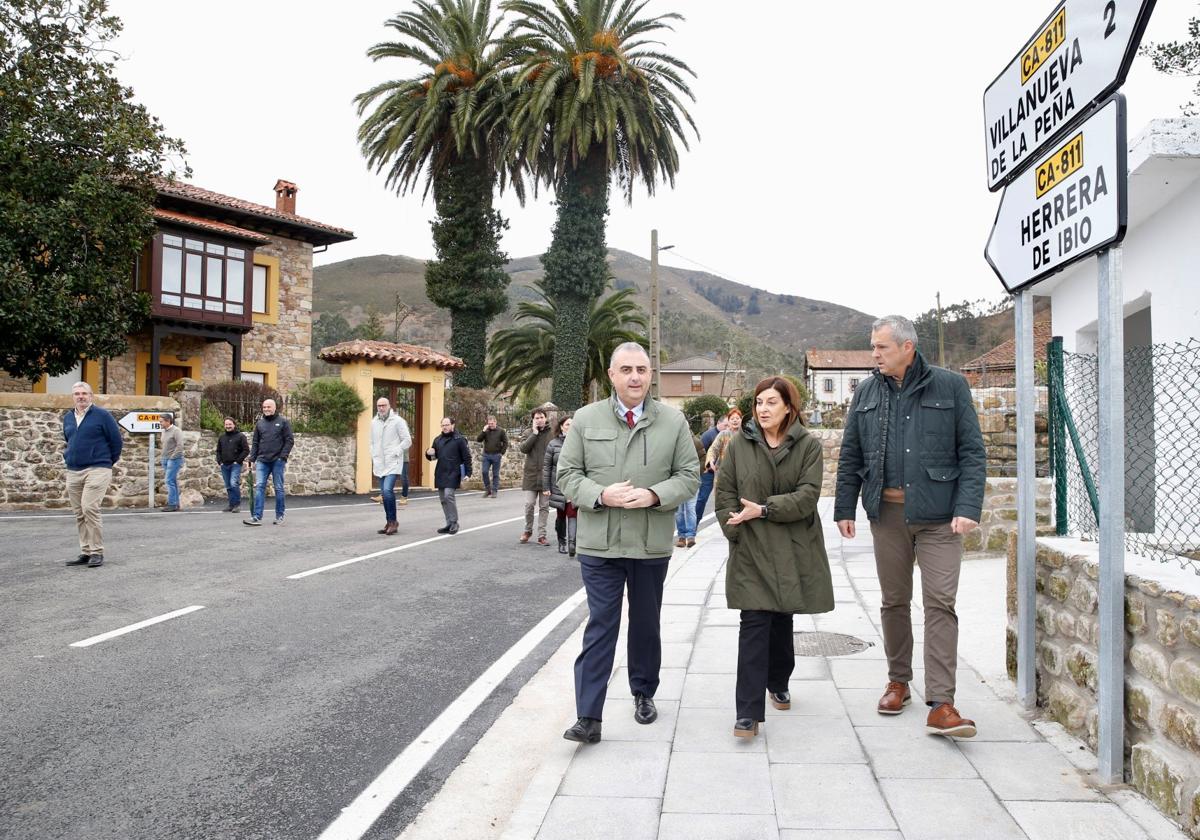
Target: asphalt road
column 265, row 713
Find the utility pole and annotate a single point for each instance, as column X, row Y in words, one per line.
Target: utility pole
column 655, row 337
column 941, row 334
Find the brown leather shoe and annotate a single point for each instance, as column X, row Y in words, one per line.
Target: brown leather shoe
column 525, row 536
column 895, row 697
column 391, row 528
column 680, row 543
column 945, row 720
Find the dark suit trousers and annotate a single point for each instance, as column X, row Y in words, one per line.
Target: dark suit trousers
column 606, row 580
column 766, row 659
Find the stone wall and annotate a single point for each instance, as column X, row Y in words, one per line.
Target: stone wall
column 512, row 467
column 31, row 467
column 997, row 410
column 1162, row 666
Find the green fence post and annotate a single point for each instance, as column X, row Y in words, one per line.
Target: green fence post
column 1057, row 430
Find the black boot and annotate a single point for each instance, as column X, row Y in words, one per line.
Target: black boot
column 562, row 546
column 571, row 547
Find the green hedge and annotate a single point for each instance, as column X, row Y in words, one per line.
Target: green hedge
column 325, row 406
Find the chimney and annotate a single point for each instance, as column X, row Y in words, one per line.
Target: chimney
column 285, row 196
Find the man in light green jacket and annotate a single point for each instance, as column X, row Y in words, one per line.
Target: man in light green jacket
column 628, row 463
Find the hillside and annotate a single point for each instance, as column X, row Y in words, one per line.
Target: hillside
column 701, row 312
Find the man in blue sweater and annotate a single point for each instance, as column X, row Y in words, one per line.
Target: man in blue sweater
column 93, row 446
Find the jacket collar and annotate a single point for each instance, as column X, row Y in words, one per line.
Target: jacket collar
column 752, row 432
column 916, row 377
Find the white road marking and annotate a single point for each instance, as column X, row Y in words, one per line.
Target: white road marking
column 112, row 634
column 373, row 554
column 357, row 817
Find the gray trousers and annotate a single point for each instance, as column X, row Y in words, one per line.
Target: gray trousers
column 449, row 506
column 938, row 552
column 535, row 499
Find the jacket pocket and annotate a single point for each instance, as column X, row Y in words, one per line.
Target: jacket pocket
column 660, row 528
column 937, row 419
column 599, row 448
column 942, row 485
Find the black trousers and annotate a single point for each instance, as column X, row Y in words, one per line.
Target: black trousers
column 766, row 660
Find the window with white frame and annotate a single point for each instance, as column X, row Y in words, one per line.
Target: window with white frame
column 827, row 386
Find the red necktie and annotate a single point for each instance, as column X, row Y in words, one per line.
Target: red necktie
column 629, row 418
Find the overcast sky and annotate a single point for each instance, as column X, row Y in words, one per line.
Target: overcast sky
column 841, row 154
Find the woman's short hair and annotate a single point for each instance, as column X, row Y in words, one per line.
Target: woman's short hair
column 788, row 393
column 558, row 424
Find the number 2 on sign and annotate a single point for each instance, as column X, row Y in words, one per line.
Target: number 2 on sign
column 1110, row 17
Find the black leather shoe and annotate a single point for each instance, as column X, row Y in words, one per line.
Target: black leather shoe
column 445, row 529
column 453, row 529
column 781, row 700
column 95, row 560
column 81, row 560
column 585, row 731
column 644, row 710
column 745, row 728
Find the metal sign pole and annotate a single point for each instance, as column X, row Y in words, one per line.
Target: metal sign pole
column 150, row 503
column 1026, row 509
column 1111, row 357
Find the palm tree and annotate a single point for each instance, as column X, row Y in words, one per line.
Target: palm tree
column 593, row 97
column 522, row 355
column 446, row 125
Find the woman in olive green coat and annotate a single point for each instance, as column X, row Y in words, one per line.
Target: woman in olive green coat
column 767, row 492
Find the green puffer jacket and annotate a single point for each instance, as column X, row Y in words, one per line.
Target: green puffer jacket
column 657, row 454
column 777, row 563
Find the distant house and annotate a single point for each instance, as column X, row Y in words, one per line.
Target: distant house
column 832, row 375
column 997, row 368
column 230, row 285
column 696, row 375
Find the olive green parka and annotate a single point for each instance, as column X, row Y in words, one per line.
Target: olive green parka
column 777, row 563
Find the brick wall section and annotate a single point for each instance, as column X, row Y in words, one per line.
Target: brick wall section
column 32, row 471
column 1162, row 671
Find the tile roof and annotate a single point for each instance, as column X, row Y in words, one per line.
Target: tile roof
column 1004, row 356
column 209, row 225
column 840, row 359
column 698, row 363
column 191, row 192
column 362, row 350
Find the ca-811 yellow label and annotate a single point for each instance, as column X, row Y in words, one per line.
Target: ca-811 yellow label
column 1059, row 165
column 1044, row 45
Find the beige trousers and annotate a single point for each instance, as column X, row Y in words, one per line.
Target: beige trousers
column 535, row 500
column 938, row 552
column 86, row 489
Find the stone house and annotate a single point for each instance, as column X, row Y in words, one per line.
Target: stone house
column 687, row 378
column 231, row 286
column 997, row 368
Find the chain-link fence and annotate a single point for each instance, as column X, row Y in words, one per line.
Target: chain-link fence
column 1162, row 448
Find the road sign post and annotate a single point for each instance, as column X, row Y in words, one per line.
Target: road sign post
column 1070, row 204
column 145, row 423
column 1078, row 56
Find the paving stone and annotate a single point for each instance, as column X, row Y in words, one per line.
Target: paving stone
column 718, row 783
column 912, row 753
column 812, row 697
column 812, row 739
column 676, row 654
column 597, row 818
column 717, row 827
column 828, row 796
column 711, row 731
column 1093, row 820
column 713, row 691
column 684, row 596
column 867, row 584
column 714, row 659
column 997, row 720
column 678, row 631
column 845, row 595
column 811, row 668
column 826, row 834
column 1034, row 771
column 859, row 673
column 693, row 582
column 964, row 808
column 670, row 685
column 617, row 768
column 717, row 600
column 619, row 724
column 725, row 638
column 723, row 618
column 860, row 705
column 672, row 613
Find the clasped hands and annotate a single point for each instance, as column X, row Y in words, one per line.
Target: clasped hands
column 750, row 510
column 625, row 495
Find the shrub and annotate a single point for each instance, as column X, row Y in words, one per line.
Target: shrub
column 694, row 409
column 211, row 418
column 325, row 406
column 240, row 399
column 468, row 406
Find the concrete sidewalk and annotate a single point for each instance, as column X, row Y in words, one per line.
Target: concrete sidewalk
column 831, row 767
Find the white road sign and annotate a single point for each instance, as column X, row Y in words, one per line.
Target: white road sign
column 1079, row 55
column 142, row 421
column 1069, row 204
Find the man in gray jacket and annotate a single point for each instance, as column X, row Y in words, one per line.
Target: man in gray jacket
column 172, row 459
column 913, row 449
column 627, row 464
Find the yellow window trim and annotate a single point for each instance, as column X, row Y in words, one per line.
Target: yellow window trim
column 272, row 266
column 269, row 370
column 91, row 375
column 193, row 364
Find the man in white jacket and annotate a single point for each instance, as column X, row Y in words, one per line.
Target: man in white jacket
column 390, row 441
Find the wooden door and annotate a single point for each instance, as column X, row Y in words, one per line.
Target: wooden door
column 166, row 375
